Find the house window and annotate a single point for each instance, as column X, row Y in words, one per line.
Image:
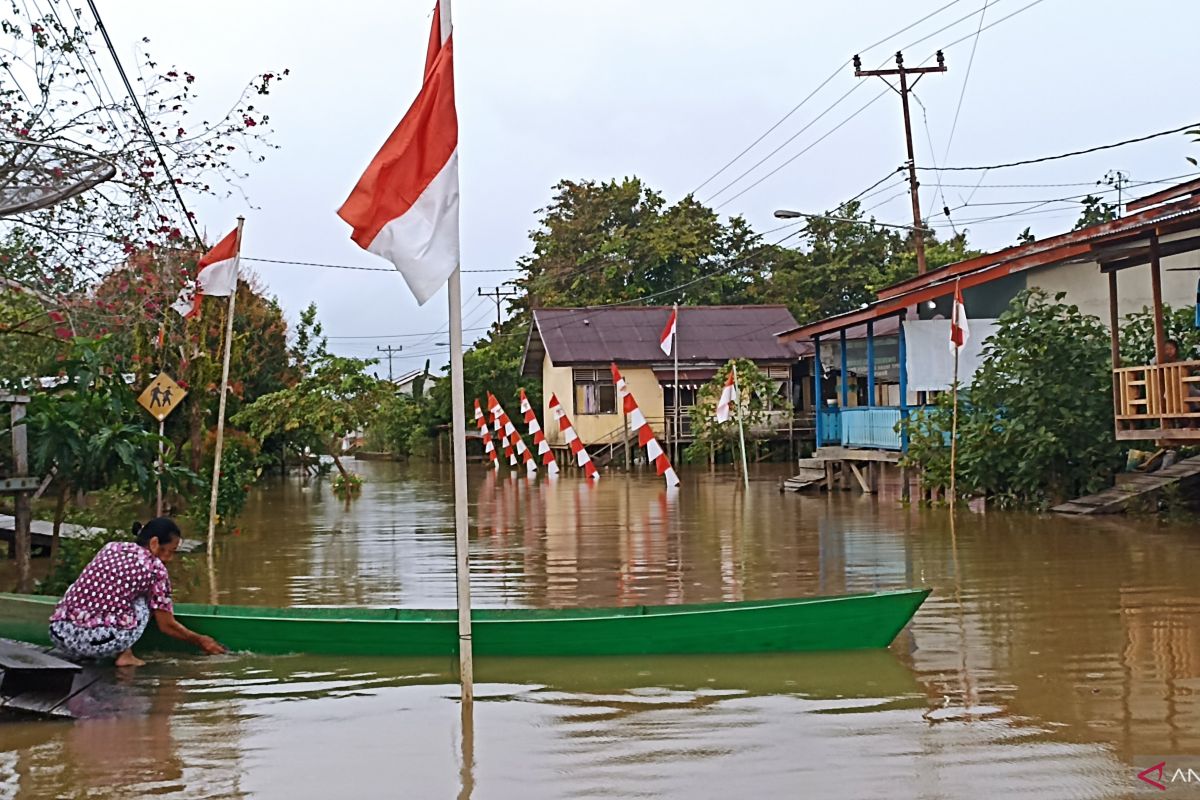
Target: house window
column 594, row 392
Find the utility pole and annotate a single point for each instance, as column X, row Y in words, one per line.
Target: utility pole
column 496, row 295
column 905, row 88
column 1117, row 179
column 390, row 350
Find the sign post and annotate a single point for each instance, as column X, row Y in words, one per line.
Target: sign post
column 160, row 398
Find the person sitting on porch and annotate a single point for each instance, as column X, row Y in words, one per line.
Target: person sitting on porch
column 106, row 610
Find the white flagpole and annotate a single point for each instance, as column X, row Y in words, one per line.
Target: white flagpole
column 458, row 426
column 675, row 350
column 954, row 322
column 737, row 393
column 216, row 474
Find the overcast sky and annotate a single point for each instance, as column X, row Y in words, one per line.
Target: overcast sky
column 669, row 91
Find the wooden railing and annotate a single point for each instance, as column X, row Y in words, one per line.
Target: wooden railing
column 1159, row 401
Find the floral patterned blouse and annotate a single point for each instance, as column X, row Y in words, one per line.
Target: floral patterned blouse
column 104, row 593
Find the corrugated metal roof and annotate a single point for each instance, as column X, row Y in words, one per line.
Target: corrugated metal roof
column 630, row 335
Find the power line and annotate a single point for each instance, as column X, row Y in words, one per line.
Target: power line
column 112, row 51
column 963, row 93
column 1071, row 154
column 814, row 92
column 355, row 266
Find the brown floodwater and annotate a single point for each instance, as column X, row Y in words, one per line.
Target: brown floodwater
column 1054, row 659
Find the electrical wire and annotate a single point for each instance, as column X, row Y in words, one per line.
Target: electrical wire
column 963, row 92
column 814, row 92
column 112, row 51
column 1071, row 154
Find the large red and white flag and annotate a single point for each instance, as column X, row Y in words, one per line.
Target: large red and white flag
column 667, row 341
column 216, row 276
column 727, row 399
column 405, row 206
column 959, row 330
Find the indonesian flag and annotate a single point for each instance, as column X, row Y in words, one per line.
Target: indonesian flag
column 405, row 206
column 217, row 276
column 727, row 399
column 959, row 330
column 667, row 340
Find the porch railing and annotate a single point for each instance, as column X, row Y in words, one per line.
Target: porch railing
column 830, row 427
column 872, row 427
column 1158, row 401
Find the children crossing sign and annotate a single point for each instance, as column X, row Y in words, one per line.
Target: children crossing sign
column 162, row 396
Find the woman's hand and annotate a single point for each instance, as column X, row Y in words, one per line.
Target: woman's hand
column 210, row 646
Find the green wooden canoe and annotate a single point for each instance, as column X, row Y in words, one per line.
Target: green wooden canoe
column 847, row 622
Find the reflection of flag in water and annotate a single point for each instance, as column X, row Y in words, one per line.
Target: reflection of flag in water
column 572, row 439
column 645, row 434
column 539, row 438
column 510, row 432
column 489, row 449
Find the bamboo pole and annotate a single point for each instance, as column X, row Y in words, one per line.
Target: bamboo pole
column 737, row 391
column 675, row 351
column 216, row 474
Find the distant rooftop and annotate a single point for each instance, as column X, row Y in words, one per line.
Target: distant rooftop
column 631, row 335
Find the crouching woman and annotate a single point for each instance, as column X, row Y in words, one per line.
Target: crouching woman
column 106, row 610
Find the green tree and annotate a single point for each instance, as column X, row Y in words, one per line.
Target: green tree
column 1137, row 334
column 90, row 434
column 335, row 397
column 1095, row 211
column 714, row 438
column 1036, row 425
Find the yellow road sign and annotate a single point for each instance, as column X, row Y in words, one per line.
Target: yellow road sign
column 162, row 396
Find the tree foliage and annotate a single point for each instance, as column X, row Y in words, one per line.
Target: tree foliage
column 714, row 438
column 1036, row 425
column 1137, row 334
column 332, row 397
column 53, row 91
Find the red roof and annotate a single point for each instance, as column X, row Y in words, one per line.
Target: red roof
column 1080, row 245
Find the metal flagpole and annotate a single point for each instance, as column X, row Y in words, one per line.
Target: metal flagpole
column 216, row 474
column 737, row 393
column 675, row 349
column 158, row 506
column 458, row 427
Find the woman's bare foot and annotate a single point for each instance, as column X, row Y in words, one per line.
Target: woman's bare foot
column 128, row 659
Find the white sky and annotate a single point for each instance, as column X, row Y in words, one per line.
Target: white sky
column 669, row 91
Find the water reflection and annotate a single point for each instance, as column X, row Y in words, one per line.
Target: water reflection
column 1051, row 652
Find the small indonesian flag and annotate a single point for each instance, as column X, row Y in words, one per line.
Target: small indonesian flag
column 727, row 398
column 959, row 330
column 216, row 276
column 667, row 340
column 405, row 206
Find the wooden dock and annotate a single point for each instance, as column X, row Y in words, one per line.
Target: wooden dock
column 42, row 531
column 1132, row 487
column 34, row 682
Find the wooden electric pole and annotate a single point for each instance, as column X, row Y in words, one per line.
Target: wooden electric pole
column 903, row 72
column 497, row 295
column 390, row 350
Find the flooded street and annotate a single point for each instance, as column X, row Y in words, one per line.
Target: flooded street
column 1053, row 657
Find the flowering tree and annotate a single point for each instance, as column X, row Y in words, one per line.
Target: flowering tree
column 54, row 91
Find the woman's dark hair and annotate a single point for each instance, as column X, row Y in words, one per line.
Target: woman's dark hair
column 162, row 528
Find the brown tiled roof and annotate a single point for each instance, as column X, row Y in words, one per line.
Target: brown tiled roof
column 630, row 335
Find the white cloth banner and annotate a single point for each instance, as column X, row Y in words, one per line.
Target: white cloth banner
column 930, row 360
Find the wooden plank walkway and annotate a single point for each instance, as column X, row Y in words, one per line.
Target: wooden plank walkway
column 34, row 682
column 42, row 531
column 1114, row 500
